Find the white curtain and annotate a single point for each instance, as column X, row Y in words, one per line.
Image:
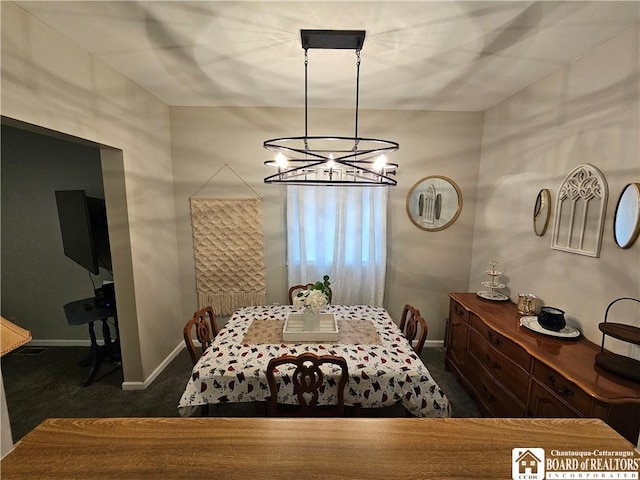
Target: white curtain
column 340, row 232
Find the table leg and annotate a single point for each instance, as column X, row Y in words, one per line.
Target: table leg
column 88, row 360
column 95, row 357
column 106, row 335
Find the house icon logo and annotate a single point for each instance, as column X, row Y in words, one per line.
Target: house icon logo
column 527, row 463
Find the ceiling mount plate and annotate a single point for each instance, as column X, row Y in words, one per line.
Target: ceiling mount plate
column 333, row 39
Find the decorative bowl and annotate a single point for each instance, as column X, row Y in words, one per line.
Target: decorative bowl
column 552, row 318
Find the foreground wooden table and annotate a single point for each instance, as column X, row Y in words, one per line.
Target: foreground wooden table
column 273, row 448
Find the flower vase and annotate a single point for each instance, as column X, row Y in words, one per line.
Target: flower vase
column 310, row 320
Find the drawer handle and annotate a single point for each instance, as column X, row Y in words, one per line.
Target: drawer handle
column 488, row 394
column 458, row 310
column 495, row 340
column 564, row 391
column 492, row 363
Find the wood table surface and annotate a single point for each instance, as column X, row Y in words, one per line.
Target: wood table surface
column 279, row 448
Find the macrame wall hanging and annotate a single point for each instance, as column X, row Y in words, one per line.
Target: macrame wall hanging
column 228, row 247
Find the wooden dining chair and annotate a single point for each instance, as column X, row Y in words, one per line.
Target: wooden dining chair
column 293, row 291
column 307, row 381
column 411, row 323
column 204, row 322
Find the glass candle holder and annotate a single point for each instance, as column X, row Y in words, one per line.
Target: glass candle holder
column 527, row 303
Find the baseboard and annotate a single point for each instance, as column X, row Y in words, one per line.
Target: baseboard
column 87, row 343
column 429, row 344
column 143, row 385
column 59, row 343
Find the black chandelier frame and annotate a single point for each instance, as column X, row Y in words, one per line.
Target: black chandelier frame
column 350, row 161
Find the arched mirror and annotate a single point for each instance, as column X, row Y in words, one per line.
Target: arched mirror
column 626, row 223
column 434, row 203
column 542, row 212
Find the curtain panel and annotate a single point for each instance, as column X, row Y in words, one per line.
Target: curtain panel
column 340, row 232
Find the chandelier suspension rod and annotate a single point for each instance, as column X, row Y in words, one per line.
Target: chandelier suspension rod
column 357, row 93
column 306, row 95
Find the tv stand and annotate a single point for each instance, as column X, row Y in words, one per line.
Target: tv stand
column 85, row 311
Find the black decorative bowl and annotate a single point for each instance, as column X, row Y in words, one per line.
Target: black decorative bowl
column 551, row 318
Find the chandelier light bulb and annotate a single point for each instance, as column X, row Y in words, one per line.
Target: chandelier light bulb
column 281, row 160
column 331, row 163
column 380, row 162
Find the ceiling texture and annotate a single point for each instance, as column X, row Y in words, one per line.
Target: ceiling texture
column 419, row 55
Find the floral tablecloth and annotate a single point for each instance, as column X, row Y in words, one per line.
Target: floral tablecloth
column 380, row 374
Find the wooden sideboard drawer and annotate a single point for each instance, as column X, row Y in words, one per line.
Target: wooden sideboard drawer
column 456, row 310
column 562, row 388
column 502, row 344
column 495, row 400
column 509, row 374
column 544, row 404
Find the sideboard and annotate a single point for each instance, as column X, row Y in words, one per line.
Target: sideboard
column 514, row 372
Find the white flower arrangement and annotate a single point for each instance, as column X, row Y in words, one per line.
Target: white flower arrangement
column 316, row 300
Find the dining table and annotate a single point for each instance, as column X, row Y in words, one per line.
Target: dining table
column 383, row 367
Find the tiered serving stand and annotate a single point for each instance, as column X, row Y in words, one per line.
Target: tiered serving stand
column 492, row 294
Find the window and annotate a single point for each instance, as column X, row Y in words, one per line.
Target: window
column 340, row 232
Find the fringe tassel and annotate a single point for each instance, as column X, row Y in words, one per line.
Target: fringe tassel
column 228, row 302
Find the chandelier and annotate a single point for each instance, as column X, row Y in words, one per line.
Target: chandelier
column 331, row 160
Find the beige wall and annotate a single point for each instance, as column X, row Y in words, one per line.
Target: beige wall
column 421, row 266
column 586, row 112
column 50, row 82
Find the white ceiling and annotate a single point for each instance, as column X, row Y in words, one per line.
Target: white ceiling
column 425, row 55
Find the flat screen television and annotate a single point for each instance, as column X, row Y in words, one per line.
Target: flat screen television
column 83, row 225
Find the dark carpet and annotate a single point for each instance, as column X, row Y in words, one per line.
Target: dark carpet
column 46, row 382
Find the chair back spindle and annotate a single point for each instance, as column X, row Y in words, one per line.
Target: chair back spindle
column 412, row 324
column 204, row 323
column 308, row 381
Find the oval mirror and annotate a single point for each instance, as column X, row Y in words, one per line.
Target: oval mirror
column 542, row 212
column 626, row 223
column 434, row 203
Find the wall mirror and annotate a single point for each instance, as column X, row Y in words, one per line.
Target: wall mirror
column 626, row 223
column 434, row 203
column 542, row 212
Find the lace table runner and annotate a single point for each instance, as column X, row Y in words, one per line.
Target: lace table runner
column 351, row 332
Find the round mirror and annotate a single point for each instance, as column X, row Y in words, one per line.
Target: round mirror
column 434, row 203
column 626, row 223
column 541, row 212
